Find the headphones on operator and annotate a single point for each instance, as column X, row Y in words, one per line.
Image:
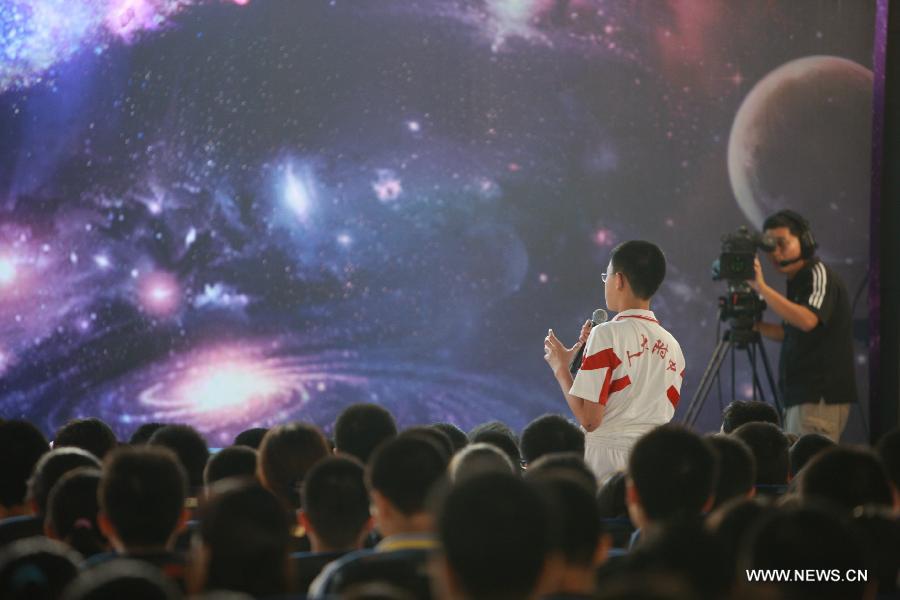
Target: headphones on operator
column 808, row 243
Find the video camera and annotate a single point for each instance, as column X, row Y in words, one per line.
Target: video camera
column 742, row 306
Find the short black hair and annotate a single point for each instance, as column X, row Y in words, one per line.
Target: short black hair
column 748, row 411
column 360, row 428
column 21, row 446
column 499, row 434
column 570, row 463
column 234, row 461
column 143, row 433
column 122, row 578
column 889, row 451
column 802, row 538
column 780, row 219
column 495, row 533
column 142, row 493
column 642, row 263
column 673, row 470
column 336, row 501
column 441, row 439
column 736, row 468
column 89, row 434
column 36, row 567
column 550, row 433
column 51, row 467
column 251, row 438
column 611, row 497
column 805, row 448
column 404, row 470
column 456, row 435
column 847, row 477
column 247, row 532
column 72, row 509
column 770, row 449
column 190, row 448
column 286, row 455
column 577, row 518
column 476, row 459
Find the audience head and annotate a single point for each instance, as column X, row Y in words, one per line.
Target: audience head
column 495, row 534
column 729, row 524
column 142, row 493
column 72, row 510
column 234, row 461
column 611, row 497
column 642, row 263
column 50, row 468
column 846, row 477
column 286, row 455
column 550, row 433
column 440, row 439
column 190, row 448
column 251, row 438
column 400, row 476
column 671, row 472
column 143, row 433
column 799, row 539
column 360, row 428
column 36, row 569
column 21, row 445
column 770, row 449
column 805, row 448
column 122, row 579
column 740, row 412
column 500, row 435
column 476, row 459
column 879, row 529
column 567, row 463
column 245, row 533
column 336, row 504
column 736, row 468
column 456, row 435
column 90, row 434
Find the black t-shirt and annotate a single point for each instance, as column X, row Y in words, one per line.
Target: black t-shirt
column 819, row 363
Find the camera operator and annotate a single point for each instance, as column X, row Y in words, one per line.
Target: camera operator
column 816, row 373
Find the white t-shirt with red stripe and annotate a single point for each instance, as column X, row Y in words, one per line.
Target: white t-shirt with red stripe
column 634, row 368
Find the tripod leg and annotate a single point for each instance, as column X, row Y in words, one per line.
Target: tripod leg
column 757, row 386
column 709, row 374
column 765, row 361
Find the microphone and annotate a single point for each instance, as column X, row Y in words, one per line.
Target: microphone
column 599, row 316
column 787, row 263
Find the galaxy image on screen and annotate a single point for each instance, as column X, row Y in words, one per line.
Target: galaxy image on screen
column 239, row 213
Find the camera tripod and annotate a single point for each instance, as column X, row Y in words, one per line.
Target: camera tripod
column 733, row 339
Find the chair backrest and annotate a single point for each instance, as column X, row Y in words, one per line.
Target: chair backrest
column 405, row 569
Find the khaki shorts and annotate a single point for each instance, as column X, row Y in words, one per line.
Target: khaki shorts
column 826, row 419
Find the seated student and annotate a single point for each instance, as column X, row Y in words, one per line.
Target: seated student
column 142, row 494
column 889, row 450
column 190, row 448
column 360, row 428
column 570, row 463
column 234, row 461
column 125, row 580
column 21, row 445
column 736, row 472
column 244, row 541
column 847, row 478
column 740, row 412
column 36, row 568
column 500, row 435
column 50, row 469
column 613, row 510
column 770, row 449
column 629, row 380
column 72, row 510
column 456, row 435
column 671, row 474
column 251, row 438
column 89, row 434
column 496, row 537
column 441, row 439
column 796, row 540
column 143, row 433
column 729, row 524
column 805, row 448
column 335, row 515
column 400, row 475
column 550, row 433
column 580, row 541
column 479, row 458
column 879, row 530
